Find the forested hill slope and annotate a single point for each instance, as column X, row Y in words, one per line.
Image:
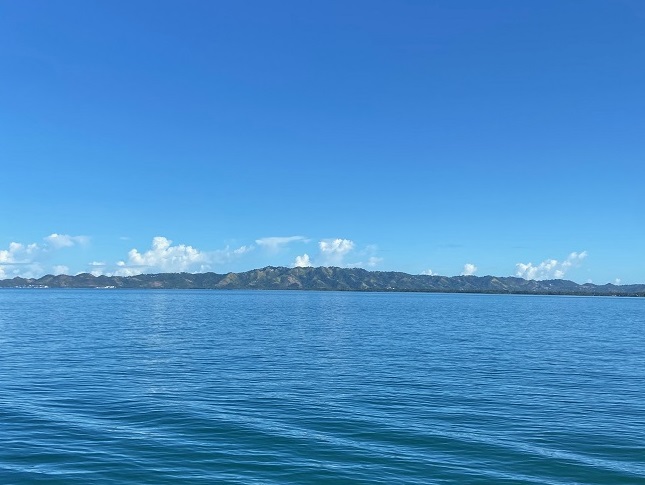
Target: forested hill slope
column 328, row 278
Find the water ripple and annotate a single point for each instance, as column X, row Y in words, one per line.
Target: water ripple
column 304, row 387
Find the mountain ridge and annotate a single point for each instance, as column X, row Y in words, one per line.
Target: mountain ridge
column 328, row 278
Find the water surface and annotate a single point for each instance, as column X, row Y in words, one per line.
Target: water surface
column 270, row 387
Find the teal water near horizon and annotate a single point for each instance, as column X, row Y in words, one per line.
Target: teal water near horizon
column 294, row 387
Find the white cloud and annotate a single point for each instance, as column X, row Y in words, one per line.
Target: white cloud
column 28, row 270
column 97, row 268
column 549, row 268
column 302, row 261
column 242, row 250
column 469, row 269
column 58, row 241
column 373, row 261
column 333, row 251
column 123, row 271
column 18, row 253
column 222, row 256
column 428, row 272
column 20, row 260
column 24, row 259
column 165, row 258
column 274, row 244
column 617, row 281
column 337, row 246
column 60, row 269
column 367, row 255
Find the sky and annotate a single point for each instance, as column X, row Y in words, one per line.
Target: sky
column 442, row 137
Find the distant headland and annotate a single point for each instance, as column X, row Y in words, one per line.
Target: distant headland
column 328, row 279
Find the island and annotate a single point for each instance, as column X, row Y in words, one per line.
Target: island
column 328, row 279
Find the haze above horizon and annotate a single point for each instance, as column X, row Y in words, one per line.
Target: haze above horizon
column 451, row 137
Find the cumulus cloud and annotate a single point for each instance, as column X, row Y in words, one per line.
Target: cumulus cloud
column 24, row 260
column 58, row 241
column 549, row 268
column 157, row 258
column 469, row 269
column 27, row 270
column 302, row 261
column 617, row 281
column 164, row 257
column 18, row 260
column 97, row 268
column 18, row 253
column 60, row 269
column 123, row 270
column 333, row 251
column 274, row 244
column 428, row 272
column 373, row 261
column 336, row 246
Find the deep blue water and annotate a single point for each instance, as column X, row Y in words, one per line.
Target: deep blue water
column 260, row 387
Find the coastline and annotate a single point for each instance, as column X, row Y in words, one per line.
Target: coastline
column 327, row 279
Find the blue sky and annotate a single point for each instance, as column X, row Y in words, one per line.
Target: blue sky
column 399, row 135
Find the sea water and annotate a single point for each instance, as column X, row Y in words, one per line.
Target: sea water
column 292, row 387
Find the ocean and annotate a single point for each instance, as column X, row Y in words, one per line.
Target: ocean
column 296, row 387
